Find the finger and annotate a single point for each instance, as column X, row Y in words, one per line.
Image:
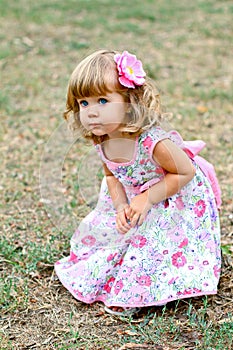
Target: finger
column 141, row 220
column 124, row 220
column 122, row 229
column 128, row 212
column 122, row 225
column 135, row 220
column 132, row 214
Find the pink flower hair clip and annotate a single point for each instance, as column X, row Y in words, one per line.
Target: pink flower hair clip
column 130, row 70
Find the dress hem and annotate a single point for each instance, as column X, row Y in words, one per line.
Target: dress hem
column 162, row 302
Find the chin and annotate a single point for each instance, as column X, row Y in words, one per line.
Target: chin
column 98, row 133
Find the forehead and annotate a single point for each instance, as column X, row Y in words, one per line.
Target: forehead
column 116, row 99
column 95, row 78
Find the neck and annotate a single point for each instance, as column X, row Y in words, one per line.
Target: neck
column 119, row 149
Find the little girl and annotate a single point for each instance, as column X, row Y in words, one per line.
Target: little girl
column 154, row 235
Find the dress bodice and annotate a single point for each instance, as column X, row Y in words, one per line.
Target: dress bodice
column 141, row 172
column 141, row 168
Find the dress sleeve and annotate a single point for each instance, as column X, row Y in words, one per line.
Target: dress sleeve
column 156, row 134
column 191, row 148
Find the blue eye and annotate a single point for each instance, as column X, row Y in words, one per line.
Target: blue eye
column 83, row 103
column 103, row 101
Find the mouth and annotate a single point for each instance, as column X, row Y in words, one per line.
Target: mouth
column 95, row 125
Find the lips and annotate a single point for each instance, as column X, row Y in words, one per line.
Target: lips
column 95, row 125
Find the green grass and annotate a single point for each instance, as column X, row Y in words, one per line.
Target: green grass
column 153, row 329
column 13, row 293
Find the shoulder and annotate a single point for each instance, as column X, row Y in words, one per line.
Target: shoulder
column 155, row 134
column 149, row 138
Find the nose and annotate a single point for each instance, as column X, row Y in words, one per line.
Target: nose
column 93, row 112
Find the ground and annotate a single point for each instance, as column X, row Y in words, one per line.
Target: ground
column 187, row 48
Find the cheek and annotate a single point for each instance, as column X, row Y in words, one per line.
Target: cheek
column 122, row 114
column 117, row 113
column 82, row 117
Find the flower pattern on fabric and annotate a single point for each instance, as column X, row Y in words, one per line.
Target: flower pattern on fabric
column 88, row 240
column 199, row 208
column 174, row 254
column 178, row 259
column 138, row 241
column 144, row 280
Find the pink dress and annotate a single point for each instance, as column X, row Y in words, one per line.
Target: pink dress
column 174, row 254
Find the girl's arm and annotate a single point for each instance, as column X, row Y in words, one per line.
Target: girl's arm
column 119, row 199
column 179, row 171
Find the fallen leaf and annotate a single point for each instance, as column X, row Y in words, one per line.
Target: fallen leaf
column 142, row 346
column 202, row 109
column 127, row 331
column 133, row 346
column 226, row 320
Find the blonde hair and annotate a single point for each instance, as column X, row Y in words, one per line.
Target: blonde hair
column 97, row 75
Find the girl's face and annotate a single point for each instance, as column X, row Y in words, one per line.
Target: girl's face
column 103, row 115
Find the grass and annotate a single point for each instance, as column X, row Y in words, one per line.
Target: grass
column 186, row 48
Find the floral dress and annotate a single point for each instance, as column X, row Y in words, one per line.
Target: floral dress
column 174, row 254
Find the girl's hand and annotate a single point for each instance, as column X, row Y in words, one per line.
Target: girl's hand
column 139, row 207
column 122, row 219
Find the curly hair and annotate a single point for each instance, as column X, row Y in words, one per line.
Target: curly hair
column 97, row 75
